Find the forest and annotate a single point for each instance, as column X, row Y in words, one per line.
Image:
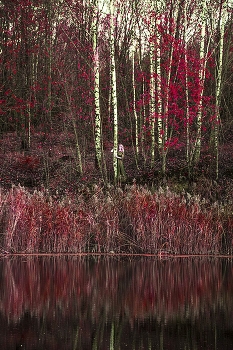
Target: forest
column 80, row 77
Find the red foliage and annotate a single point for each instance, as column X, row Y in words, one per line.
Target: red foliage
column 27, row 162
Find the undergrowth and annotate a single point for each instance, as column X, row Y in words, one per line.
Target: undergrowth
column 102, row 219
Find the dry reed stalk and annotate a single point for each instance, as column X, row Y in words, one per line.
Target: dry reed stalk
column 133, row 220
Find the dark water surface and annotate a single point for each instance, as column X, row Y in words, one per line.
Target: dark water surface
column 116, row 303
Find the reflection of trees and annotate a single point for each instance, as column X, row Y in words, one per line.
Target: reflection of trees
column 105, row 296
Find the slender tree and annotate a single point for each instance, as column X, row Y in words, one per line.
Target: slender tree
column 164, row 134
column 219, row 83
column 187, row 108
column 113, row 86
column 133, row 53
column 201, row 82
column 153, row 80
column 98, row 126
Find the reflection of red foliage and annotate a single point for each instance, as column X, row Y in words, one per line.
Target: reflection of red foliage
column 152, row 288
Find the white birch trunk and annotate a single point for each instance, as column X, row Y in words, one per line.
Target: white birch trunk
column 197, row 149
column 152, row 106
column 160, row 129
column 143, row 122
column 139, row 32
column 187, row 109
column 152, row 101
column 113, row 89
column 98, row 128
column 133, row 50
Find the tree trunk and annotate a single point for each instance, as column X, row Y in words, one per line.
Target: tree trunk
column 219, row 69
column 133, row 50
column 164, row 132
column 98, row 126
column 197, row 147
column 187, row 107
column 152, row 107
column 113, row 89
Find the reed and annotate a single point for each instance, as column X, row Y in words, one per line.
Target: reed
column 110, row 219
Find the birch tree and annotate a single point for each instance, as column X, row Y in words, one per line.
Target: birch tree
column 132, row 54
column 187, row 109
column 141, row 33
column 159, row 105
column 98, row 127
column 154, row 65
column 113, row 87
column 202, row 58
column 160, row 130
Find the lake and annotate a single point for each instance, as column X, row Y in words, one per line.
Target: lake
column 70, row 303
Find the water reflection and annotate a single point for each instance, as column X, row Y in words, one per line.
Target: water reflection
column 109, row 303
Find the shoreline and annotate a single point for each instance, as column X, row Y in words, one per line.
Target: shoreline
column 225, row 256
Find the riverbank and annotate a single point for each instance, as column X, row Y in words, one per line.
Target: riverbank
column 47, row 206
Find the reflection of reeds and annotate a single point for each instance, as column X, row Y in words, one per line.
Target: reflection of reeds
column 104, row 220
column 130, row 290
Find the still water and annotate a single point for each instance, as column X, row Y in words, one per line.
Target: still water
column 116, row 303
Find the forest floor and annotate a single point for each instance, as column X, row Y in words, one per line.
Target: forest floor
column 51, row 163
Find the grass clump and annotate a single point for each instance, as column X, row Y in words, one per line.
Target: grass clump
column 102, row 220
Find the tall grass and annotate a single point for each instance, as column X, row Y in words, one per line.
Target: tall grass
column 104, row 220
